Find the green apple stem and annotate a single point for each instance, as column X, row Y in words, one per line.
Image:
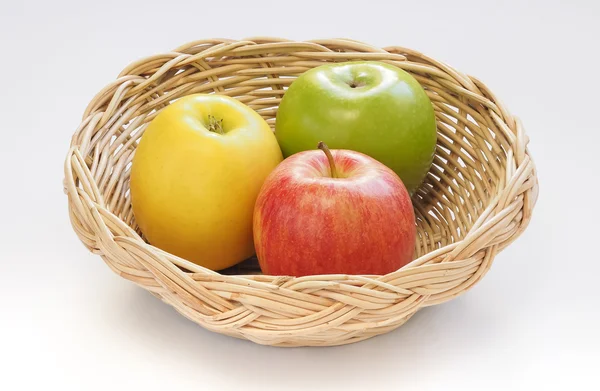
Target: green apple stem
column 323, row 147
column 215, row 125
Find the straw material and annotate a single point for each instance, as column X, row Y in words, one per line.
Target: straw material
column 477, row 198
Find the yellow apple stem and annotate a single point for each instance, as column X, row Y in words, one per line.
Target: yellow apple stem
column 215, row 125
column 323, row 147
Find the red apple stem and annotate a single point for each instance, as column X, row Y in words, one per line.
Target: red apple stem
column 323, row 147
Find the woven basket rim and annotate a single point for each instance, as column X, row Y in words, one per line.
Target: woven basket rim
column 312, row 310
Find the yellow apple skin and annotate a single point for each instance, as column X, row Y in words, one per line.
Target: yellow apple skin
column 193, row 190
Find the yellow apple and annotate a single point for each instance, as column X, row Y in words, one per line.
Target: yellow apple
column 195, row 177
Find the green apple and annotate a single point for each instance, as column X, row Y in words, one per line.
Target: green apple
column 367, row 106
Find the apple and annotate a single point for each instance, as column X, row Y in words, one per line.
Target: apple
column 195, row 177
column 370, row 107
column 333, row 212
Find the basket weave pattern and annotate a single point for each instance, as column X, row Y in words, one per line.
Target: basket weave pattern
column 477, row 198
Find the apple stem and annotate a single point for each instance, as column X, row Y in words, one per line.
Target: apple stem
column 323, row 147
column 215, row 125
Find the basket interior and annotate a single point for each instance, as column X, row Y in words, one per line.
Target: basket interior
column 471, row 150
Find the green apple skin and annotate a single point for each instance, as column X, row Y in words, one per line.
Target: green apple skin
column 366, row 106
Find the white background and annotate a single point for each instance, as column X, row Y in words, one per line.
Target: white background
column 68, row 322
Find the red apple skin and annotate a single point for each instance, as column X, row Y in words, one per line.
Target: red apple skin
column 307, row 223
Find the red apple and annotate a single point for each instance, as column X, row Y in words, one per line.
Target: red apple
column 333, row 212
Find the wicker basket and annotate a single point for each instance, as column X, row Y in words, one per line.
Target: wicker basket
column 477, row 198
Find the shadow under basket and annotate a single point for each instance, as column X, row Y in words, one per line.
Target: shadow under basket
column 477, row 198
